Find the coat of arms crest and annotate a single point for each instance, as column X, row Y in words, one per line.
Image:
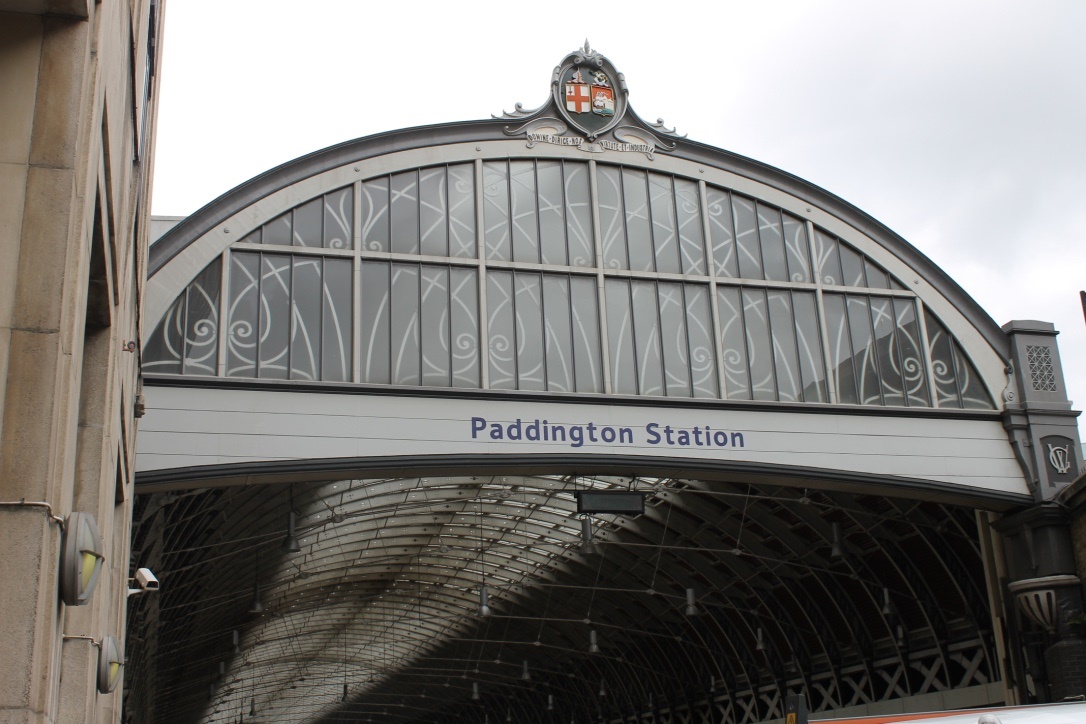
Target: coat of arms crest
column 595, row 96
column 590, row 93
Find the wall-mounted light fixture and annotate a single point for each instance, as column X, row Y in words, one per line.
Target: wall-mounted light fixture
column 110, row 663
column 593, row 644
column 80, row 559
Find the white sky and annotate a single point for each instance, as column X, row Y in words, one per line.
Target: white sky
column 960, row 125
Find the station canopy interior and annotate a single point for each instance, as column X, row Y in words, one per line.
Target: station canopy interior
column 474, row 262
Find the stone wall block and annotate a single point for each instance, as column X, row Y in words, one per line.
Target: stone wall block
column 60, row 104
column 28, row 443
column 13, row 192
column 31, row 543
column 44, row 253
column 20, row 51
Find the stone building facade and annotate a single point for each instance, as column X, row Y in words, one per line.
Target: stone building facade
column 78, row 84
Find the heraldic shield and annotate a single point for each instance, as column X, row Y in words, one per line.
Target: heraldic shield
column 589, row 92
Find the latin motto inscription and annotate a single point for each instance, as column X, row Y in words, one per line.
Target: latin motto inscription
column 589, row 433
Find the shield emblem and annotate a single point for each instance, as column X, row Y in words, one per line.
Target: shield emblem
column 603, row 100
column 578, row 98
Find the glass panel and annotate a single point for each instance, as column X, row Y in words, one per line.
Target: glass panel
column 620, row 341
column 525, row 222
column 252, row 238
column 502, row 334
column 202, row 321
column 274, row 316
column 306, row 307
column 786, row 361
column 940, row 347
column 375, row 217
column 664, row 237
column 635, row 199
column 405, row 324
column 733, row 343
column 746, row 237
column 826, row 261
column 586, row 335
column 809, row 348
column 702, row 354
column 852, row 266
column 241, row 339
column 974, row 395
column 840, row 344
column 435, row 326
column 721, row 235
column 496, row 211
column 552, row 222
column 464, row 303
column 691, row 233
column 558, row 333
column 612, row 228
column 374, row 329
column 461, row 192
column 911, row 354
column 795, row 244
column 434, row 239
column 675, row 343
column 336, row 331
column 759, row 345
column 582, row 251
column 889, row 363
column 772, row 239
column 403, row 192
column 529, row 312
column 895, row 284
column 339, row 219
column 650, row 366
column 164, row 348
column 277, row 231
column 876, row 277
column 867, row 371
column 307, row 224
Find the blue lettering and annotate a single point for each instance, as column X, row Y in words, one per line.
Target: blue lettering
column 478, row 424
column 654, row 437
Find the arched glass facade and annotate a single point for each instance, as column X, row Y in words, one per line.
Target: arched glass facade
column 568, row 277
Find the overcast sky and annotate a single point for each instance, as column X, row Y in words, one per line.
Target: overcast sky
column 960, row 125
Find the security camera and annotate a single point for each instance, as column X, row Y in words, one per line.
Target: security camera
column 146, row 580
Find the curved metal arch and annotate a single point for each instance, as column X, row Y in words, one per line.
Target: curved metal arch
column 638, row 631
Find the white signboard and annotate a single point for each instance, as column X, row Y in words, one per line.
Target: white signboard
column 190, row 427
